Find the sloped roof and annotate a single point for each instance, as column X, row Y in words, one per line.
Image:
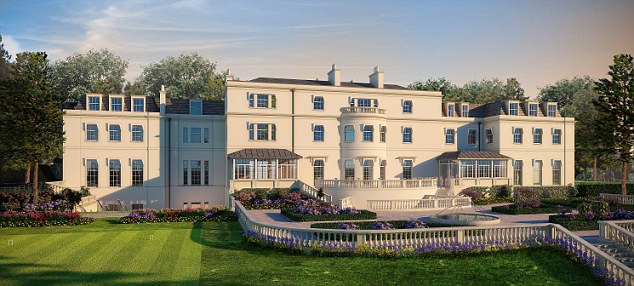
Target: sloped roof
column 472, row 155
column 321, row 82
column 263, row 153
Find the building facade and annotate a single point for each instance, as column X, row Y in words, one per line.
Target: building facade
column 357, row 141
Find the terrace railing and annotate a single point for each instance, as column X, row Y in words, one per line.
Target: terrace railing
column 378, row 184
column 370, row 110
column 625, row 200
column 311, row 191
column 619, row 232
column 448, row 236
column 422, row 204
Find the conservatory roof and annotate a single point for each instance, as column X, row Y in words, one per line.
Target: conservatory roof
column 472, row 155
column 263, row 153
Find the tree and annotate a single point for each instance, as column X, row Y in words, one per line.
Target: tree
column 185, row 76
column 135, row 88
column 616, row 101
column 484, row 91
column 31, row 123
column 98, row 71
column 440, row 84
column 565, row 91
column 5, row 59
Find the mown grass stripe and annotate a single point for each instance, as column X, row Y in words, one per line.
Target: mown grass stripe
column 188, row 261
column 100, row 260
column 164, row 265
column 145, row 253
column 74, row 251
column 19, row 242
column 42, row 244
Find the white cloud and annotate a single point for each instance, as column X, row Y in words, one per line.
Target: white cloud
column 11, row 45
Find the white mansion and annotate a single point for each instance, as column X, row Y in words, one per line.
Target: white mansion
column 357, row 141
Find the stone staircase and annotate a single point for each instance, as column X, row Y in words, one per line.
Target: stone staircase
column 618, row 251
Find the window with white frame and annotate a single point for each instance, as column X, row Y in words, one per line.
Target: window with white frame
column 467, row 168
column 472, row 137
column 552, row 110
column 116, row 103
column 115, row 132
column 513, row 108
column 382, row 170
column 537, row 136
column 407, row 134
column 243, row 169
column 185, row 172
column 368, row 170
column 364, row 102
column 285, row 169
column 450, row 136
column 138, row 104
column 92, row 173
column 195, row 107
column 537, row 172
column 262, row 132
column 368, row 133
column 488, row 135
column 93, row 103
column 137, row 172
column 499, row 168
column 196, row 136
column 206, row 172
column 196, row 172
column 450, row 110
column 318, row 103
column 383, row 134
column 484, row 168
column 517, row 169
column 260, row 100
column 115, row 173
column 517, row 135
column 556, row 136
column 556, row 172
column 92, row 132
column 137, row 133
column 348, row 132
column 407, row 169
column 266, row 169
column 349, row 169
column 318, row 169
column 318, row 133
column 465, row 110
column 532, row 109
column 407, row 106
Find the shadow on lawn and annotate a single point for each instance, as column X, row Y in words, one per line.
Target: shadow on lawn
column 46, row 274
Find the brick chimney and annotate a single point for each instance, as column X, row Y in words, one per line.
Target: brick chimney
column 376, row 78
column 334, row 76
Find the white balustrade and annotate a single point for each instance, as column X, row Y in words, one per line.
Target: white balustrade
column 371, row 110
column 422, row 204
column 378, row 184
column 624, row 200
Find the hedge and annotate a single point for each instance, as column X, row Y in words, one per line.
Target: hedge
column 364, row 215
column 223, row 215
column 513, row 209
column 593, row 189
column 397, row 224
column 36, row 219
column 574, row 225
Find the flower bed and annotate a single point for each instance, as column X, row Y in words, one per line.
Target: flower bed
column 574, row 225
column 217, row 213
column 394, row 224
column 298, row 214
column 41, row 218
column 588, row 216
column 515, row 209
column 270, row 198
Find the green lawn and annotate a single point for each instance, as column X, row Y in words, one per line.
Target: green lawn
column 214, row 254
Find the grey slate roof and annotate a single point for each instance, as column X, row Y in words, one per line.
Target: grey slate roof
column 321, row 83
column 471, row 155
column 172, row 106
column 263, row 153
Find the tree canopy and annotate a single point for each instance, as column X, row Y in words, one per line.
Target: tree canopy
column 98, row 71
column 5, row 57
column 185, row 76
column 565, row 92
column 484, row 91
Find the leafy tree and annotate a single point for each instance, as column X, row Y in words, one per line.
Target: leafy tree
column 484, row 91
column 616, row 101
column 185, row 76
column 98, row 71
column 440, row 84
column 5, row 57
column 135, row 88
column 564, row 92
column 31, row 123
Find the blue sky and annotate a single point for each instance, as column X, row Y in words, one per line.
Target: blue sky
column 536, row 41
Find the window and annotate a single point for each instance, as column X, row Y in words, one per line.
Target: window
column 363, row 102
column 92, row 132
column 285, row 169
column 196, row 172
column 368, row 133
column 92, row 173
column 552, row 110
column 367, row 170
column 115, row 132
column 556, row 172
column 472, row 137
column 484, row 168
column 137, row 172
column 467, row 168
column 195, row 135
column 206, row 135
column 196, row 107
column 407, row 106
column 138, row 104
column 185, row 135
column 382, row 170
column 537, row 136
column 383, row 134
column 449, row 136
column 116, row 104
column 115, row 173
column 407, row 169
column 93, row 103
column 262, row 131
column 137, row 133
column 318, row 133
column 185, row 173
column 349, row 170
column 499, row 169
column 488, row 135
column 265, row 169
column 556, row 136
column 318, row 169
column 517, row 135
column 513, row 106
column 537, row 172
column 318, row 103
column 243, row 169
column 349, row 133
column 450, row 110
column 407, row 134
column 532, row 109
column 206, row 165
column 465, row 110
column 517, row 167
column 262, row 100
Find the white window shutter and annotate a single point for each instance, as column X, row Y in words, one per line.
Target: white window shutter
column 312, row 126
column 83, row 126
column 129, row 162
column 129, row 127
column 312, row 98
column 107, row 127
column 513, row 129
column 107, row 161
column 362, row 127
column 402, row 102
column 83, row 161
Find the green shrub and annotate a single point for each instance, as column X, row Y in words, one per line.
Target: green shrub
column 514, row 209
column 574, row 225
column 593, row 189
column 328, row 217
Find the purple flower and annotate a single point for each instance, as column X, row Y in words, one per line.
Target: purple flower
column 414, row 224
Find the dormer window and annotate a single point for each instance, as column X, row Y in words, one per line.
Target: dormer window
column 116, row 103
column 450, row 110
column 261, row 100
column 532, row 109
column 196, row 107
column 465, row 110
column 407, row 106
column 93, row 103
column 552, row 110
column 513, row 108
column 138, row 104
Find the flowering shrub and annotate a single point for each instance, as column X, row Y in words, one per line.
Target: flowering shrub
column 216, row 213
column 379, row 225
column 474, row 194
column 348, row 226
column 53, row 205
column 271, row 199
column 36, row 218
column 527, row 198
column 412, row 223
column 15, row 201
column 326, row 213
